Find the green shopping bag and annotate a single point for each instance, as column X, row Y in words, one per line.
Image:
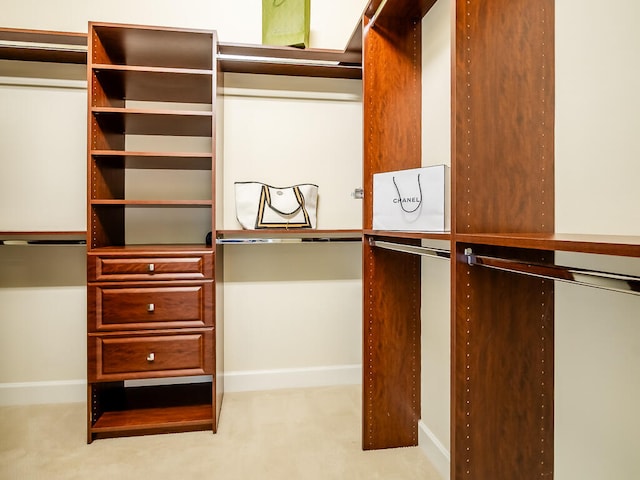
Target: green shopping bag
column 285, row 22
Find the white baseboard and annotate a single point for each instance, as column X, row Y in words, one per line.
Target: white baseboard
column 245, row 381
column 434, row 450
column 34, row 393
column 75, row 391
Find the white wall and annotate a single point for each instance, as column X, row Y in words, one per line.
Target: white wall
column 332, row 21
column 597, row 333
column 435, row 426
column 43, row 325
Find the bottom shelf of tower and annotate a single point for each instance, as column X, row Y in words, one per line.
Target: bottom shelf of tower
column 117, row 410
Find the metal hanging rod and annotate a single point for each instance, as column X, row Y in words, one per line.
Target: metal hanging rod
column 590, row 278
column 412, row 249
column 42, row 242
column 272, row 241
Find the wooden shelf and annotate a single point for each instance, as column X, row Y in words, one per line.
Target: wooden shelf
column 43, row 238
column 628, row 246
column 412, row 235
column 262, row 59
column 43, row 46
column 150, row 420
column 152, row 46
column 155, row 83
column 151, row 409
column 154, row 122
column 300, row 234
column 159, row 160
column 403, row 9
column 152, row 203
column 155, row 249
column 66, row 47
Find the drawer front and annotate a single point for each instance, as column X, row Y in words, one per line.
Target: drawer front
column 123, row 268
column 122, row 357
column 133, row 307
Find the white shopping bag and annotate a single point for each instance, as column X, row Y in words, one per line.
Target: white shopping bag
column 412, row 200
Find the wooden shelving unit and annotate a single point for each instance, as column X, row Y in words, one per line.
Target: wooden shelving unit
column 151, row 303
column 502, row 405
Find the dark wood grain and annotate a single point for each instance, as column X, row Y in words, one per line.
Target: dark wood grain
column 504, row 117
column 391, row 102
column 117, row 306
column 152, row 84
column 151, row 46
column 165, row 266
column 134, row 121
column 118, row 411
column 391, row 349
column 123, row 356
column 152, row 160
column 150, row 308
column 628, row 246
column 502, row 409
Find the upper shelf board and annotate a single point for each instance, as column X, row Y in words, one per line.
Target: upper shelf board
column 184, row 49
column 43, row 46
column 627, row 246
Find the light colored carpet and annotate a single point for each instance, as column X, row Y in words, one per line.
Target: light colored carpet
column 282, row 434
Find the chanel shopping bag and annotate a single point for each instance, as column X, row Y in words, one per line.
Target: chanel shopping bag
column 412, row 200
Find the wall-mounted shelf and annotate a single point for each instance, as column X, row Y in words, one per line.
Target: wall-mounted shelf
column 286, row 236
column 67, row 47
column 245, row 58
column 43, row 46
column 628, row 246
column 412, row 235
column 43, row 238
column 187, row 160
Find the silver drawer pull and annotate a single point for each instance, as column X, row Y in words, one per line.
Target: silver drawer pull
column 152, row 268
column 151, row 357
column 151, row 307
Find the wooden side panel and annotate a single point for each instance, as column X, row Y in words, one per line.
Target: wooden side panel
column 391, row 102
column 503, row 373
column 504, row 116
column 503, row 182
column 391, row 330
column 218, row 331
column 391, row 347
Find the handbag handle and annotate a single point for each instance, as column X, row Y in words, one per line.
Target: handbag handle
column 299, row 197
column 400, row 196
column 276, row 4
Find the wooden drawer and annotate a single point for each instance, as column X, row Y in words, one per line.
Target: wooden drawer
column 152, row 267
column 131, row 306
column 163, row 354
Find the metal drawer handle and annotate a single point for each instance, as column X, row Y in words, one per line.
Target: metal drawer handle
column 152, row 268
column 151, row 357
column 151, row 307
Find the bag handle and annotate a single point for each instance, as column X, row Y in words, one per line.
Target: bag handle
column 400, row 196
column 276, row 4
column 296, row 191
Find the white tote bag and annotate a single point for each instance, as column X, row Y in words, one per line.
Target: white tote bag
column 412, row 200
column 259, row 205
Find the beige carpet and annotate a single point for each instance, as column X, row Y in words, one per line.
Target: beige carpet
column 282, row 434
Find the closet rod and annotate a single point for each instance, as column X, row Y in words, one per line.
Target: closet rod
column 590, row 278
column 413, row 249
column 252, row 241
column 43, row 242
